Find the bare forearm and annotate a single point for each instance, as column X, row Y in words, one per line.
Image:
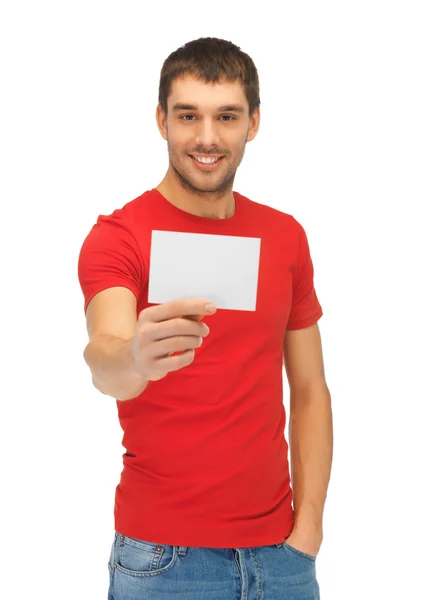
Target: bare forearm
column 110, row 360
column 311, row 447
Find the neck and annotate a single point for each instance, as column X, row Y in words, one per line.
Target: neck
column 211, row 205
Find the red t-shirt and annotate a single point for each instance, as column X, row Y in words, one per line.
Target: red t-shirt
column 206, row 461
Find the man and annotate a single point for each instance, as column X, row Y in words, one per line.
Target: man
column 204, row 505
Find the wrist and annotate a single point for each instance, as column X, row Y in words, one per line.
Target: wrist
column 308, row 524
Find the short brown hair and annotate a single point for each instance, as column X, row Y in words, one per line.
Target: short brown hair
column 210, row 59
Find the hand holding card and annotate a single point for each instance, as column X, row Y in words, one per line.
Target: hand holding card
column 170, row 327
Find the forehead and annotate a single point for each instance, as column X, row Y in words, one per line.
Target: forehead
column 187, row 89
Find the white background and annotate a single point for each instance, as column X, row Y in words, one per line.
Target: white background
column 346, row 145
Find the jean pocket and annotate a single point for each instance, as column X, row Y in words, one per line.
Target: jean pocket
column 139, row 558
column 299, row 552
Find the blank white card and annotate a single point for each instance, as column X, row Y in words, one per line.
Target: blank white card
column 220, row 268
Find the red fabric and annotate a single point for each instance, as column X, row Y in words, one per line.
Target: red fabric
column 206, row 461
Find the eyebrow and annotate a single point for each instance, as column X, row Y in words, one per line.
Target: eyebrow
column 226, row 107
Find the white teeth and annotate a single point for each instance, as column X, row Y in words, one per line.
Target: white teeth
column 208, row 161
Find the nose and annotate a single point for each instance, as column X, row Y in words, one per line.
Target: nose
column 206, row 133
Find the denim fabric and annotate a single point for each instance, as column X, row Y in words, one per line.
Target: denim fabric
column 141, row 570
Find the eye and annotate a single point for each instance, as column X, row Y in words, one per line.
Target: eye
column 227, row 117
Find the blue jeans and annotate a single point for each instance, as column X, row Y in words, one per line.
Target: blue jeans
column 141, row 570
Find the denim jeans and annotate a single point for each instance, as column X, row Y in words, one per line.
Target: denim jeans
column 141, row 570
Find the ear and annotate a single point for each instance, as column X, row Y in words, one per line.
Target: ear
column 254, row 124
column 161, row 120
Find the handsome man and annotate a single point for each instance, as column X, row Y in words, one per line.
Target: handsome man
column 204, row 505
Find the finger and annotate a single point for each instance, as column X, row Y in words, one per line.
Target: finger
column 173, row 363
column 184, row 307
column 167, row 346
column 194, row 317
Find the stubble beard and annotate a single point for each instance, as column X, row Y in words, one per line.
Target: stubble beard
column 220, row 188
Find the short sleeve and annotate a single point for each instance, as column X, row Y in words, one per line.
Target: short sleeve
column 109, row 257
column 305, row 309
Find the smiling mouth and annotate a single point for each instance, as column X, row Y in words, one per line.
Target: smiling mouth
column 206, row 166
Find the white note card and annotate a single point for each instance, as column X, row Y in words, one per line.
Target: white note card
column 220, row 268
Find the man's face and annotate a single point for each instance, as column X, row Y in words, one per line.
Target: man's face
column 206, row 119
